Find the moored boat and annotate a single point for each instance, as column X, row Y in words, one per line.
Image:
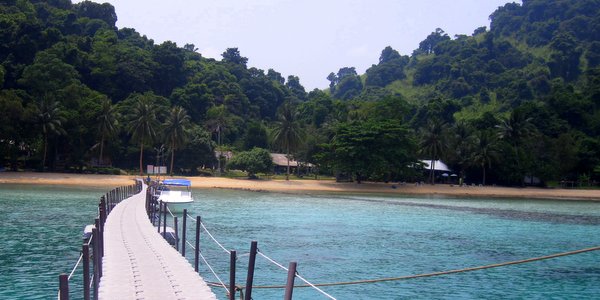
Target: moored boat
column 176, row 193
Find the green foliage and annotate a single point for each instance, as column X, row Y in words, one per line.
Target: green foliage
column 255, row 161
column 176, row 131
column 533, row 79
column 370, row 148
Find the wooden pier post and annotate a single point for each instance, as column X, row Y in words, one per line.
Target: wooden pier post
column 63, row 282
column 165, row 220
column 232, row 259
column 86, row 271
column 251, row 263
column 160, row 206
column 102, row 213
column 103, row 205
column 183, row 232
column 147, row 206
column 98, row 244
column 197, row 251
column 289, row 287
column 176, row 225
column 96, row 260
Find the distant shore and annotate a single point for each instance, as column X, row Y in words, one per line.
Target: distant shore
column 308, row 186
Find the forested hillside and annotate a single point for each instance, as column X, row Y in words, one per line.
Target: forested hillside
column 518, row 100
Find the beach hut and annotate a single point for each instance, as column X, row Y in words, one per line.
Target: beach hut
column 439, row 167
column 280, row 164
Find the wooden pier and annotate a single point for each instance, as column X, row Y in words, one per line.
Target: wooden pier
column 139, row 264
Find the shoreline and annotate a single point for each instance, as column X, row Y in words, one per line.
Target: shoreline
column 309, row 186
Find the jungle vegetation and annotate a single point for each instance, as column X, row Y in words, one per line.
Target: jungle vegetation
column 520, row 99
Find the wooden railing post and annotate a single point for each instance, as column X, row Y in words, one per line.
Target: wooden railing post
column 96, row 256
column 160, row 207
column 63, row 282
column 232, row 260
column 251, row 263
column 183, row 232
column 289, row 287
column 165, row 210
column 197, row 251
column 86, row 271
column 98, row 245
column 176, row 233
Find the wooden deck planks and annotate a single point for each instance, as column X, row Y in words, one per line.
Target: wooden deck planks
column 139, row 264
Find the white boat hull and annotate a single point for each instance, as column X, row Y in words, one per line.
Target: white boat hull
column 176, row 201
column 178, row 207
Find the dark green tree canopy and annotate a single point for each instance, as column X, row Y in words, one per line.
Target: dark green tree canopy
column 254, row 161
column 532, row 80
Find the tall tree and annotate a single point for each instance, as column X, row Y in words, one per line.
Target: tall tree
column 50, row 119
column 514, row 130
column 433, row 144
column 370, row 148
column 143, row 124
column 485, row 151
column 287, row 133
column 176, row 128
column 107, row 124
column 217, row 119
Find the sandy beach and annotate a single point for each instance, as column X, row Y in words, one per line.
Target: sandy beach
column 308, row 186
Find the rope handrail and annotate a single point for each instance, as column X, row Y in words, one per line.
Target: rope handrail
column 315, row 287
column 214, row 239
column 213, row 272
column 297, row 275
column 433, row 274
column 192, row 218
column 187, row 242
column 75, row 267
column 271, row 260
column 172, row 215
column 210, row 235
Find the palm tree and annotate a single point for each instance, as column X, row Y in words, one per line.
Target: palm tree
column 107, row 123
column 485, row 151
column 176, row 130
column 142, row 125
column 217, row 119
column 462, row 141
column 50, row 119
column 515, row 129
column 287, row 133
column 433, row 143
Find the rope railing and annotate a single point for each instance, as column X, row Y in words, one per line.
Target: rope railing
column 76, row 266
column 213, row 272
column 210, row 235
column 214, row 239
column 296, row 274
column 433, row 274
column 169, row 210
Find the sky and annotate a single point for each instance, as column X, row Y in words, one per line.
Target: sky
column 305, row 38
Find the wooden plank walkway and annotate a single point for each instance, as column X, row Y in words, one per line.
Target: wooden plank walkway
column 139, row 264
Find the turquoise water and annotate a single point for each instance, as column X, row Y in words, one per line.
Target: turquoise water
column 333, row 238
column 40, row 228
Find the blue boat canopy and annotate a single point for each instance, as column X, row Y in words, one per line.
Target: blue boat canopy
column 178, row 182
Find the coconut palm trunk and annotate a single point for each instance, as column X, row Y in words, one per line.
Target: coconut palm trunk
column 432, row 172
column 45, row 152
column 141, row 156
column 172, row 156
column 101, row 150
column 287, row 155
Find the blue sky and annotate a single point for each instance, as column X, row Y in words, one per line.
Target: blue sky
column 306, row 38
